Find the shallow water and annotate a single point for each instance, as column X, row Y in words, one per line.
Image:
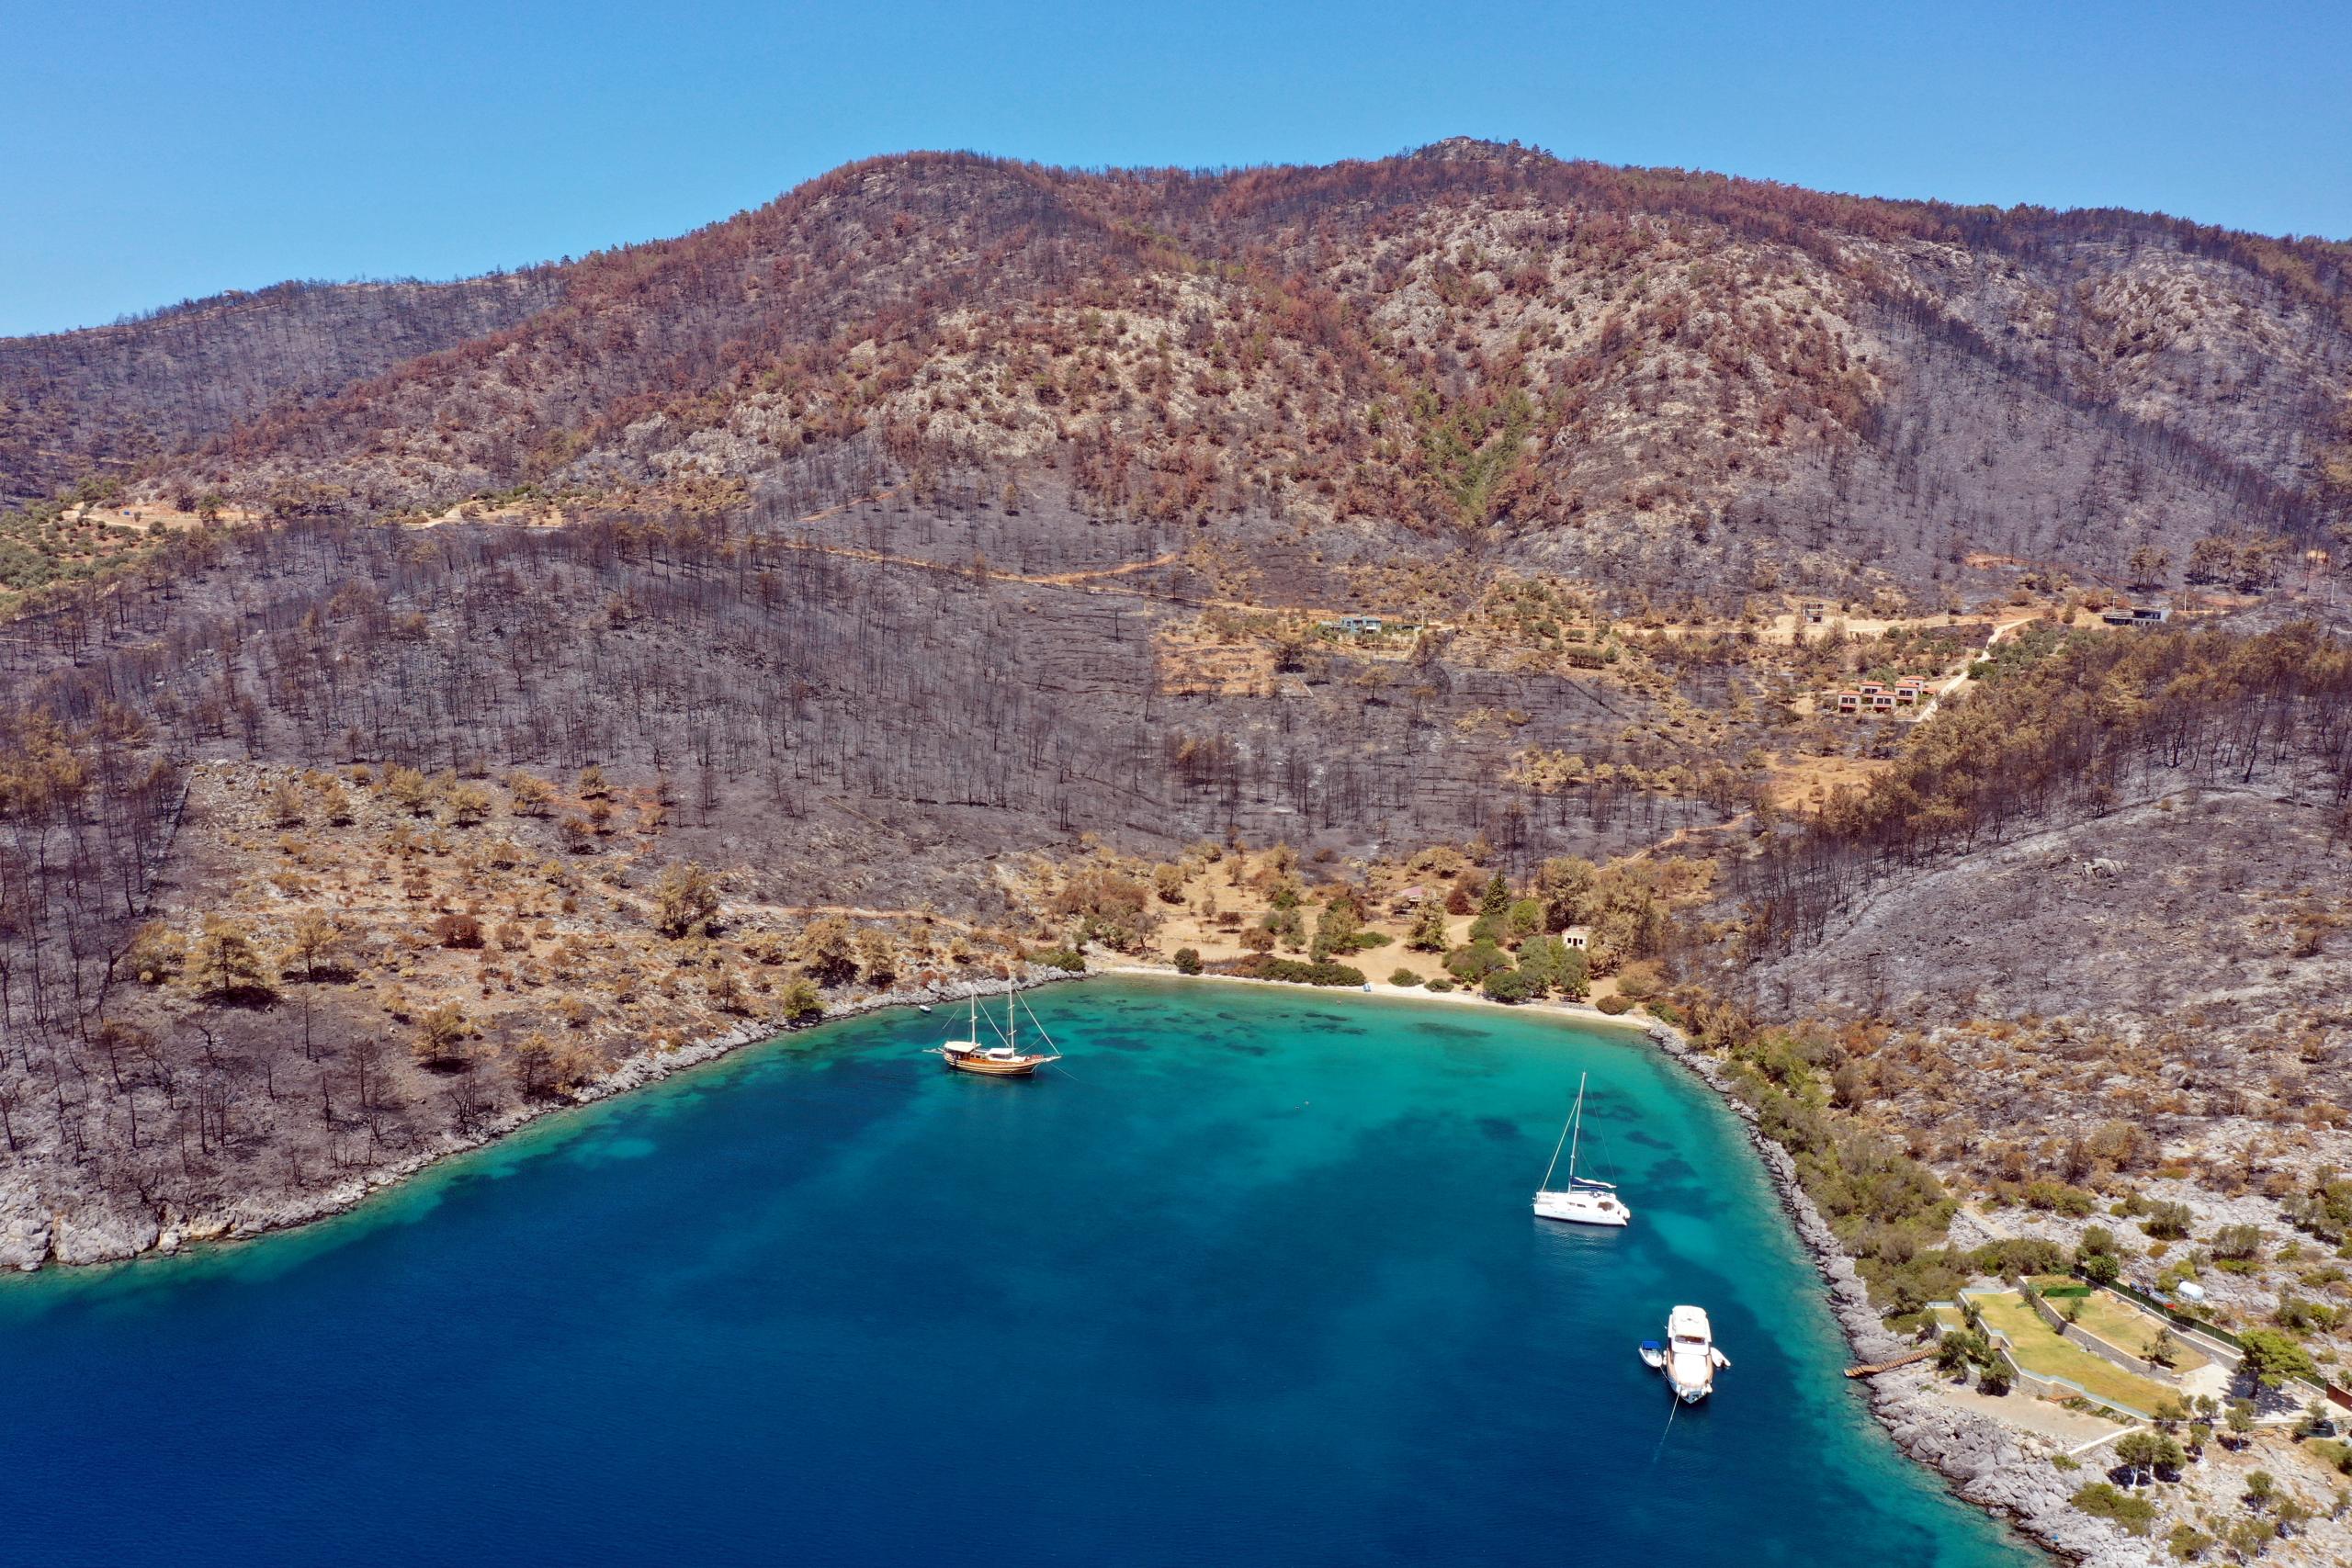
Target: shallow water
column 1253, row 1281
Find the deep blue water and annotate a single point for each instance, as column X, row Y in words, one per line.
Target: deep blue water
column 1254, row 1282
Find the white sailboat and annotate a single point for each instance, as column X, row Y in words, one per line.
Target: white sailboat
column 1006, row 1060
column 1583, row 1201
column 1688, row 1356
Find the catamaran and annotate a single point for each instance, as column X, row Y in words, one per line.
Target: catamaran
column 1688, row 1358
column 1583, row 1201
column 1006, row 1060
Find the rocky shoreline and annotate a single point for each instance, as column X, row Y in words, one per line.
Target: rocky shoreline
column 31, row 1240
column 1983, row 1462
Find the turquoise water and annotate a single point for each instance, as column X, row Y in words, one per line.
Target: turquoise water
column 1254, row 1282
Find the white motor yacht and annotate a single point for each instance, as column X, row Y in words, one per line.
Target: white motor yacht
column 1688, row 1356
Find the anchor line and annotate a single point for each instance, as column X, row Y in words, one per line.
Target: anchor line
column 1662, row 1432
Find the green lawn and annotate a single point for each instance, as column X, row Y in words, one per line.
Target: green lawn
column 2114, row 1320
column 2040, row 1351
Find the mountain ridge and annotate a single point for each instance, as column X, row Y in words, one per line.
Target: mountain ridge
column 1660, row 374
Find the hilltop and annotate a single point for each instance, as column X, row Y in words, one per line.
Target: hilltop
column 1689, row 385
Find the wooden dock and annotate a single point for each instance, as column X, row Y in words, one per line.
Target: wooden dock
column 1873, row 1368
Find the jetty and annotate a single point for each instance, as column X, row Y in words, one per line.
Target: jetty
column 1873, row 1368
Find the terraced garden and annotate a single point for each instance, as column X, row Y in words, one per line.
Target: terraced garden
column 2040, row 1351
column 2113, row 1319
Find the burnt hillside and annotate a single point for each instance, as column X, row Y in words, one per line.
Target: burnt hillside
column 1671, row 379
column 106, row 397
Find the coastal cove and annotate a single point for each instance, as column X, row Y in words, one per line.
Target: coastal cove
column 1251, row 1278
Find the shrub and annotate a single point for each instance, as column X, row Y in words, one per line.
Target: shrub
column 1188, row 960
column 468, row 805
column 2102, row 1500
column 1440, row 984
column 1264, row 966
column 1475, row 961
column 2238, row 1243
column 409, row 789
column 1639, row 981
column 529, row 794
column 2325, row 1211
column 1615, row 1006
column 2166, row 1221
column 2071, row 1201
column 1404, row 978
column 2186, row 1542
column 458, row 930
column 156, row 953
column 800, row 1003
column 1062, row 958
column 2304, row 1316
column 2015, row 1258
column 1509, row 986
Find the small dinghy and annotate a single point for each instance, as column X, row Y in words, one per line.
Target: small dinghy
column 1687, row 1357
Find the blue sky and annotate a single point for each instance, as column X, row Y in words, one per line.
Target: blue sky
column 151, row 152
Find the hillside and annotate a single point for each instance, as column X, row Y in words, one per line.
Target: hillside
column 1682, row 385
column 108, row 399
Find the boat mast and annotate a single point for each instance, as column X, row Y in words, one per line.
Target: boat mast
column 1009, row 1019
column 1577, row 1121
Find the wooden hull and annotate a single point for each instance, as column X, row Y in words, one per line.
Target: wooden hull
column 1018, row 1067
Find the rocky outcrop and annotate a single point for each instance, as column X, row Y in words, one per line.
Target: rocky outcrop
column 25, row 1229
column 100, row 1235
column 1983, row 1462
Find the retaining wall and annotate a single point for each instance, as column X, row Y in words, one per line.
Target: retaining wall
column 2037, row 1383
column 2106, row 1351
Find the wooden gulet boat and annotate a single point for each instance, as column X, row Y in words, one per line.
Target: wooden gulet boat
column 1006, row 1060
